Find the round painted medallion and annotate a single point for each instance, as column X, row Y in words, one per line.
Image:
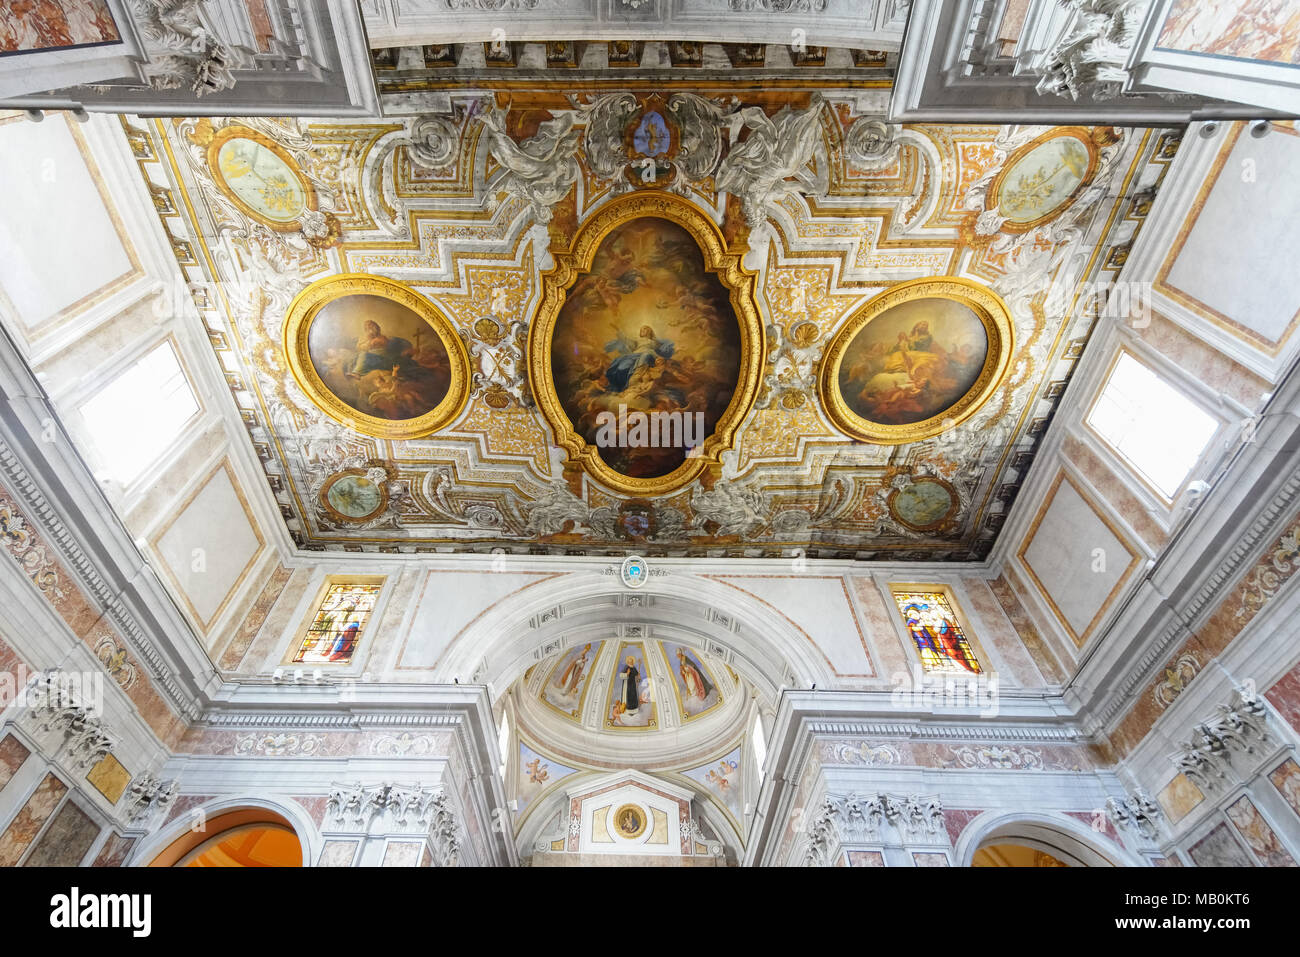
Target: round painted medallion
column 629, row 822
column 924, row 503
column 351, row 496
column 913, row 361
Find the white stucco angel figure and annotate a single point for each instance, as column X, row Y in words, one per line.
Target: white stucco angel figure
column 758, row 171
column 542, row 168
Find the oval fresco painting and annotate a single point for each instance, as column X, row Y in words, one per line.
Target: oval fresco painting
column 916, row 359
column 646, row 350
column 913, row 362
column 1042, row 179
column 376, row 355
column 379, row 357
column 257, row 176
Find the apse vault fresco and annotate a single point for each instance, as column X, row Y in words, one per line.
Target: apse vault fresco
column 426, row 321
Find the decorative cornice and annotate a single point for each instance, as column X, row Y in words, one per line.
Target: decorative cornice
column 1203, row 599
column 75, row 560
column 981, row 732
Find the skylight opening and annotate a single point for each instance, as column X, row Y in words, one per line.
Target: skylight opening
column 1153, row 426
column 135, row 418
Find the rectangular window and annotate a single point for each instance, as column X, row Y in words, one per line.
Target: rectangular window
column 934, row 629
column 134, row 418
column 1154, row 427
column 338, row 624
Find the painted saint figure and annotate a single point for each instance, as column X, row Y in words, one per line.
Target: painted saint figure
column 629, row 689
column 568, row 682
column 939, row 637
column 346, row 641
column 697, row 685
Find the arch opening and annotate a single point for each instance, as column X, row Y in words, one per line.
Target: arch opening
column 242, row 837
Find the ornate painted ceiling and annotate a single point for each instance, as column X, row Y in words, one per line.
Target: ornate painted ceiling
column 813, row 204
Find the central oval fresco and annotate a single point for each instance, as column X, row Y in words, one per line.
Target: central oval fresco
column 647, row 332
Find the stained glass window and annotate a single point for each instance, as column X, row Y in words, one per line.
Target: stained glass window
column 338, row 624
column 939, row 639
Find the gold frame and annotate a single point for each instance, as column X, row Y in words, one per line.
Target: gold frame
column 719, row 260
column 1081, row 133
column 308, row 303
column 640, row 816
column 986, row 305
column 338, row 516
column 227, row 133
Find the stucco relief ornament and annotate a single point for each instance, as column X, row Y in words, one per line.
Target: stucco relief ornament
column 279, row 745
column 1137, row 812
column 182, row 52
column 1272, row 571
column 634, row 571
column 320, row 229
column 871, row 144
column 1240, row 726
column 553, row 509
column 498, row 347
column 434, row 141
column 914, row 815
column 146, row 794
column 1090, row 59
column 701, row 122
column 775, row 160
column 16, row 538
column 778, row 6
column 604, row 144
column 791, row 374
column 540, row 170
column 735, row 509
column 57, row 703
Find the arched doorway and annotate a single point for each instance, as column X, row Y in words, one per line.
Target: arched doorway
column 1037, row 840
column 243, row 837
column 1015, row 855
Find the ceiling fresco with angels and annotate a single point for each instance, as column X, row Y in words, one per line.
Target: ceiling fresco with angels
column 427, row 321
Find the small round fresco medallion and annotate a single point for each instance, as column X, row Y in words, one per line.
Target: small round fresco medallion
column 923, row 504
column 629, row 822
column 352, row 497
